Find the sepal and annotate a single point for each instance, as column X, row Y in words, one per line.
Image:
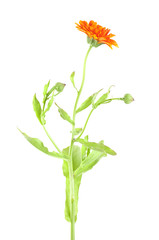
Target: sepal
column 93, row 42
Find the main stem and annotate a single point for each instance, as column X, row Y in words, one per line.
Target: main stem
column 71, row 176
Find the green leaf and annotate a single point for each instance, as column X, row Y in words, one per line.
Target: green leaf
column 89, row 162
column 97, row 146
column 65, row 115
column 43, row 118
column 37, row 108
column 77, row 182
column 39, row 145
column 87, row 102
column 85, row 150
column 45, row 90
column 103, row 98
column 77, row 131
column 45, row 93
column 65, row 164
column 72, row 79
column 49, row 103
column 76, row 157
column 67, row 201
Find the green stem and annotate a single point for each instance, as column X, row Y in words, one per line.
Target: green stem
column 85, row 124
column 70, row 163
column 108, row 100
column 72, row 200
column 51, row 139
column 91, row 113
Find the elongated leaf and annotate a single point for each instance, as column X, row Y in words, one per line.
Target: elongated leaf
column 89, row 162
column 45, row 94
column 77, row 182
column 65, row 164
column 72, row 79
column 87, row 102
column 43, row 118
column 65, row 115
column 76, row 157
column 103, row 98
column 39, row 145
column 85, row 150
column 49, row 103
column 45, row 90
column 97, row 146
column 68, row 201
column 37, row 108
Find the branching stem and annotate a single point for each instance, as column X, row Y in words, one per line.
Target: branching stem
column 85, row 124
column 70, row 163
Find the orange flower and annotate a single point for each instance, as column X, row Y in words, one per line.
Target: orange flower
column 97, row 34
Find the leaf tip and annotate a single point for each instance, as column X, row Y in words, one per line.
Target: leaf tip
column 18, row 129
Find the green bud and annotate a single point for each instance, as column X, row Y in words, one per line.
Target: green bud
column 59, row 86
column 128, row 98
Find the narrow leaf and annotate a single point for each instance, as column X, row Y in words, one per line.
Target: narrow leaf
column 45, row 90
column 87, row 102
column 43, row 118
column 76, row 157
column 89, row 162
column 65, row 115
column 65, row 168
column 37, row 108
column 39, row 145
column 97, row 146
column 72, row 79
column 103, row 98
column 67, row 201
column 77, row 182
column 49, row 103
column 85, row 149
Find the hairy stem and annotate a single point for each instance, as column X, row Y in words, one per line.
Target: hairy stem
column 51, row 139
column 71, row 176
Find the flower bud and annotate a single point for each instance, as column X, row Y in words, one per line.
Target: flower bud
column 128, row 98
column 59, row 86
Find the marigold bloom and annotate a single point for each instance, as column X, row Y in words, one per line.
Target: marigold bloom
column 100, row 34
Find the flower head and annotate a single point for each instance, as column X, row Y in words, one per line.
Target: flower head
column 96, row 34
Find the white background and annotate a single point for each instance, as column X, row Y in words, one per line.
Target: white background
column 119, row 198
